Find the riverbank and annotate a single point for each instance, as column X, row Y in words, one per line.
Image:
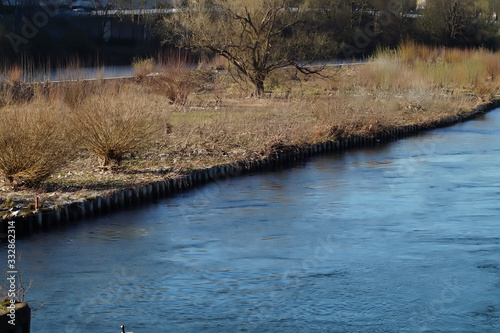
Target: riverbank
column 205, row 126
column 29, row 221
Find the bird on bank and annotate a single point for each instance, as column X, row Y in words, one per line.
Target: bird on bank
column 123, row 329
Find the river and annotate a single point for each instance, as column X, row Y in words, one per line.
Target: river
column 403, row 237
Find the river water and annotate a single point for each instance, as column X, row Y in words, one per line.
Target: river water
column 404, row 237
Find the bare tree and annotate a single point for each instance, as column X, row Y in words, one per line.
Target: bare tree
column 463, row 22
column 256, row 36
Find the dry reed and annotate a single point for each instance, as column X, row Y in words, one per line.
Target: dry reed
column 419, row 67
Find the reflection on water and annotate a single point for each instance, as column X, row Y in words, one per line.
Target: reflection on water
column 402, row 239
column 68, row 74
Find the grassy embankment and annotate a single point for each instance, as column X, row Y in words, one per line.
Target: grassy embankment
column 55, row 139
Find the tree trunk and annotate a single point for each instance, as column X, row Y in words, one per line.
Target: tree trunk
column 258, row 81
column 259, row 87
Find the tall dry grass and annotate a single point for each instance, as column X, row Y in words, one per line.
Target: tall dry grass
column 15, row 74
column 420, row 67
column 12, row 89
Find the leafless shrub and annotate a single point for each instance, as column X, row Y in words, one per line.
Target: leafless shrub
column 174, row 79
column 33, row 143
column 143, row 67
column 74, row 94
column 174, row 84
column 111, row 124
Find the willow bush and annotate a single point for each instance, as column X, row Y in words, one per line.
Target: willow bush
column 112, row 124
column 175, row 81
column 34, row 142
